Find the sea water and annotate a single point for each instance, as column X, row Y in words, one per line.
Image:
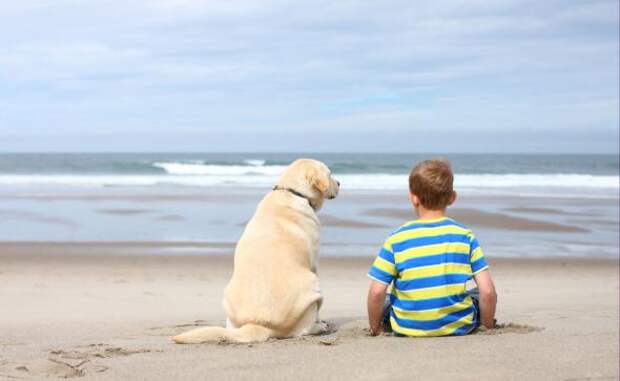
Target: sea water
column 193, row 197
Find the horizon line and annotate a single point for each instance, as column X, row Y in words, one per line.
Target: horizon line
column 71, row 152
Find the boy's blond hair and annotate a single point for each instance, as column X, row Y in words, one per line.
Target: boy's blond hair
column 432, row 182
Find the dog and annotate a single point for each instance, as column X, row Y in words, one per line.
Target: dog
column 274, row 290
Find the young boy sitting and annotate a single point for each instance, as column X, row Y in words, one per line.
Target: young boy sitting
column 428, row 260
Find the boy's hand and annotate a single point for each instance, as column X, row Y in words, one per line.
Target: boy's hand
column 376, row 299
column 376, row 331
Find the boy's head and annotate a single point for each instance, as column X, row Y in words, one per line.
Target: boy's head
column 430, row 185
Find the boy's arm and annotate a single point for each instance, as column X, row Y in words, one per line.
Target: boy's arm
column 488, row 297
column 376, row 299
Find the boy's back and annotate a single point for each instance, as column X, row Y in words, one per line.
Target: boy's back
column 429, row 262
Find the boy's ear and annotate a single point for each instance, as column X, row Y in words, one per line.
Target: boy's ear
column 415, row 200
column 452, row 198
column 318, row 180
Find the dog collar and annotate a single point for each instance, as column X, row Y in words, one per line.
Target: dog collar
column 296, row 193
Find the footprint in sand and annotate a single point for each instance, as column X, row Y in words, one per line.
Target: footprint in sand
column 70, row 363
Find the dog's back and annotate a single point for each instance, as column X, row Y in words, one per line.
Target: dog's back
column 272, row 283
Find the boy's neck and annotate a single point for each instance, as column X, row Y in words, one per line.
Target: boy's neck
column 429, row 214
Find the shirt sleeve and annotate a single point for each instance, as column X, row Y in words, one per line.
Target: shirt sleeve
column 383, row 269
column 476, row 256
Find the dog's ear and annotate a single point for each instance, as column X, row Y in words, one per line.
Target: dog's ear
column 319, row 180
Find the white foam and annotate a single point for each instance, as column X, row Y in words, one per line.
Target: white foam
column 255, row 162
column 485, row 181
column 537, row 180
column 192, row 168
column 135, row 180
column 199, row 175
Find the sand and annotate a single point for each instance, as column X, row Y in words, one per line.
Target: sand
column 105, row 311
column 479, row 218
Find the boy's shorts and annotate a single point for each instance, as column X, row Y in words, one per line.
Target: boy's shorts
column 387, row 307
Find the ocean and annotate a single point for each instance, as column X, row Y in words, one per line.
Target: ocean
column 518, row 205
column 556, row 175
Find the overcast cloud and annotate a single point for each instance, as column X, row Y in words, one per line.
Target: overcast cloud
column 178, row 75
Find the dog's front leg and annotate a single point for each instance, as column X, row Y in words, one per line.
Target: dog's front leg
column 318, row 327
column 230, row 324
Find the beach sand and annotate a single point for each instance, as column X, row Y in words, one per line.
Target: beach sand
column 105, row 311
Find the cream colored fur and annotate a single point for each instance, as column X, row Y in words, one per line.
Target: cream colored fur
column 274, row 290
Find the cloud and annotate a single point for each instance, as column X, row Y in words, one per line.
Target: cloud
column 226, row 68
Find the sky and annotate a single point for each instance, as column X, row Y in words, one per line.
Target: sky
column 314, row 76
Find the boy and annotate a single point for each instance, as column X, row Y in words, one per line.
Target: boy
column 429, row 260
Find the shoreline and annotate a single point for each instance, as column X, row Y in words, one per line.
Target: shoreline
column 189, row 193
column 196, row 218
column 96, row 250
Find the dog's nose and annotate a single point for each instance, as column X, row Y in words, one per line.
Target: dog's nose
column 338, row 182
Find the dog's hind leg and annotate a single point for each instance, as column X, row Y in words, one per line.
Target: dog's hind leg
column 309, row 323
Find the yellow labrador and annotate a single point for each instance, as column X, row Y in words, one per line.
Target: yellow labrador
column 274, row 290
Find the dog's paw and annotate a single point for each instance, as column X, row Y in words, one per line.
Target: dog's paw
column 318, row 328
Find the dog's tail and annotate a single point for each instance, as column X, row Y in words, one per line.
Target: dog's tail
column 246, row 334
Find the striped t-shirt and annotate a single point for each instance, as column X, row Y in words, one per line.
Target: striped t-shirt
column 429, row 262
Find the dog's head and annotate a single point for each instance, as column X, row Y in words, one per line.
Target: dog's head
column 311, row 178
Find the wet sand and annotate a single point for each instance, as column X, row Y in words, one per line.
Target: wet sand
column 105, row 310
column 479, row 218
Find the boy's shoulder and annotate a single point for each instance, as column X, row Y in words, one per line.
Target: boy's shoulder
column 444, row 223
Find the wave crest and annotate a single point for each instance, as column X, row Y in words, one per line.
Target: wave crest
column 254, row 167
column 255, row 162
